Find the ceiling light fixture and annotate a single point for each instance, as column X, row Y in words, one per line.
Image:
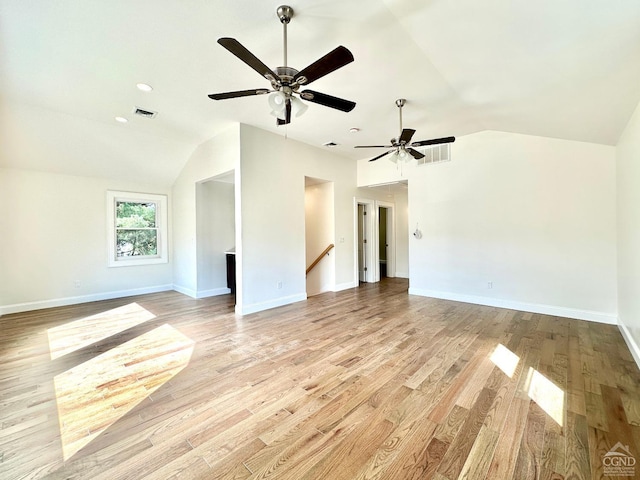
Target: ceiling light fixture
column 285, row 80
column 354, row 130
column 403, row 150
column 121, row 119
column 280, row 102
column 144, row 87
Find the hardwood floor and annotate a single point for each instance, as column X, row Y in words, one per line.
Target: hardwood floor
column 369, row 383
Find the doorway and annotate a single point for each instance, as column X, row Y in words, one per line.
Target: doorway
column 365, row 257
column 386, row 236
column 374, row 240
column 383, row 246
column 319, row 236
column 215, row 235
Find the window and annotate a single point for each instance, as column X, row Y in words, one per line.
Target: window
column 137, row 227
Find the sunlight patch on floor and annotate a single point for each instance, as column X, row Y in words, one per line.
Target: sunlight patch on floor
column 539, row 388
column 547, row 395
column 78, row 334
column 505, row 360
column 94, row 395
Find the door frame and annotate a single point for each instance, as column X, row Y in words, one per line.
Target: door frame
column 369, row 252
column 372, row 252
column 391, row 238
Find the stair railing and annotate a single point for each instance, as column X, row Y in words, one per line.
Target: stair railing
column 317, row 260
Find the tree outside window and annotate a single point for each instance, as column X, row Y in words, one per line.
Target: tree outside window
column 137, row 228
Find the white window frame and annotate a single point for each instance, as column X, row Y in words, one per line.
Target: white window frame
column 161, row 202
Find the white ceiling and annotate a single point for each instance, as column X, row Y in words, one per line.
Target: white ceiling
column 566, row 69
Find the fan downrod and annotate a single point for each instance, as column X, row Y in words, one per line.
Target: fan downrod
column 400, row 103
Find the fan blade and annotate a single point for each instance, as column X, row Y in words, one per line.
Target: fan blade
column 405, row 136
column 415, row 154
column 380, row 156
column 332, row 61
column 328, row 100
column 239, row 93
column 247, row 57
column 435, row 141
column 373, row 146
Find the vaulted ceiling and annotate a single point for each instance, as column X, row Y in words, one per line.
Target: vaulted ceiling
column 566, row 69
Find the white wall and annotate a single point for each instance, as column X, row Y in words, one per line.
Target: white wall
column 215, row 226
column 402, row 234
column 319, row 234
column 535, row 216
column 273, row 217
column 54, row 234
column 628, row 178
column 214, row 157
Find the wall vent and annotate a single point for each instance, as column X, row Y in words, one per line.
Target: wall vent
column 435, row 154
column 144, row 113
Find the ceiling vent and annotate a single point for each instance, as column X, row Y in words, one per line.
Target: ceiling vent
column 435, row 154
column 144, row 113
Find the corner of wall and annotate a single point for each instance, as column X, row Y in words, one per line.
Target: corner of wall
column 634, row 348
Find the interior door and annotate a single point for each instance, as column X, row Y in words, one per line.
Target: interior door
column 383, row 244
column 362, row 242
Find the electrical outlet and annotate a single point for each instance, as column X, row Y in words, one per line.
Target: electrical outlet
column 279, row 285
column 76, row 283
column 489, row 284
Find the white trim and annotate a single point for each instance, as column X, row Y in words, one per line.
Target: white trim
column 61, row 302
column 369, row 249
column 391, row 238
column 213, row 292
column 344, row 286
column 185, row 291
column 592, row 316
column 631, row 343
column 402, row 274
column 276, row 302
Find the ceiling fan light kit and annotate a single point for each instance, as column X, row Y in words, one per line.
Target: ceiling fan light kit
column 278, row 104
column 286, row 81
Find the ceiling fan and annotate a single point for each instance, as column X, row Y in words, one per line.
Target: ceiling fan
column 402, row 146
column 286, row 81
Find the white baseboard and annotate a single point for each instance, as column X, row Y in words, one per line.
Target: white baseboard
column 214, row 292
column 94, row 297
column 600, row 317
column 402, row 274
column 276, row 302
column 344, row 286
column 631, row 343
column 201, row 293
column 185, row 291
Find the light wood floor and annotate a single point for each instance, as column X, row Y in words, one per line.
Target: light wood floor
column 369, row 383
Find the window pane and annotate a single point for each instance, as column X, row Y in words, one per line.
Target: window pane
column 135, row 243
column 137, row 228
column 135, row 215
